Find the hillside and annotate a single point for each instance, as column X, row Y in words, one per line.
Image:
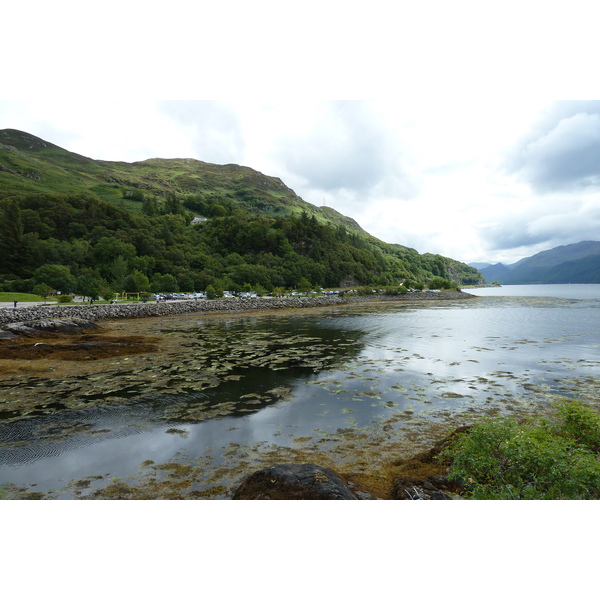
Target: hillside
column 574, row 263
column 29, row 164
column 74, row 223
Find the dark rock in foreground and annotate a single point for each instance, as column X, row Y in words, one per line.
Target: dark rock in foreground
column 294, row 482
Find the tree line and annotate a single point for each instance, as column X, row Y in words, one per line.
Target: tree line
column 80, row 244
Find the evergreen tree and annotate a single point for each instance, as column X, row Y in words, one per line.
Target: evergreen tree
column 119, row 270
column 11, row 237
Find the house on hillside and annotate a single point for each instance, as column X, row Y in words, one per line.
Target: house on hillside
column 198, row 220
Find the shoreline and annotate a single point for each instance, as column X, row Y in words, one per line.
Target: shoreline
column 101, row 312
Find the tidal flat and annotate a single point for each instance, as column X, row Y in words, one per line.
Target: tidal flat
column 212, row 398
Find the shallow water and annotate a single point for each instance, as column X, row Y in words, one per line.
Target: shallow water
column 351, row 387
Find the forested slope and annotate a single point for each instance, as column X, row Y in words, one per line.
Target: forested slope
column 59, row 227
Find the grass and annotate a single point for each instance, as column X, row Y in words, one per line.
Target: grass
column 12, row 296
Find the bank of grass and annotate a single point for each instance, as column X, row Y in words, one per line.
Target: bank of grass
column 12, row 296
column 21, row 297
column 551, row 458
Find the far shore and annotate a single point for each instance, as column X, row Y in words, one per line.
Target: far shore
column 98, row 312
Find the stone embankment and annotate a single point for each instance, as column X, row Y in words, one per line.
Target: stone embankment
column 98, row 312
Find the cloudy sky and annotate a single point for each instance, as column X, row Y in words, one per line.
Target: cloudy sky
column 474, row 181
column 467, row 155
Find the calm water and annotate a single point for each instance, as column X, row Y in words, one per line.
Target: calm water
column 230, row 394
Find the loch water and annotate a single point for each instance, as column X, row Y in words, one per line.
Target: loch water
column 345, row 385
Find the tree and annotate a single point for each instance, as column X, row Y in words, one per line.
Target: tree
column 164, row 283
column 106, row 292
column 137, row 282
column 87, row 286
column 119, row 270
column 218, row 210
column 108, row 249
column 304, row 285
column 173, row 205
column 58, row 277
column 11, row 237
column 150, row 206
column 42, row 290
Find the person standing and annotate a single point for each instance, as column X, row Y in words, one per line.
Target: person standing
column 14, row 304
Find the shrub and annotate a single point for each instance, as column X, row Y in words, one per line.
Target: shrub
column 365, row 291
column 64, row 299
column 577, row 422
column 396, row 290
column 536, row 459
column 437, row 283
column 211, row 294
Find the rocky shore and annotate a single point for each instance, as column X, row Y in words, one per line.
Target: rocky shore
column 100, row 312
column 420, row 477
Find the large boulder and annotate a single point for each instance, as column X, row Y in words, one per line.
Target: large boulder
column 294, row 482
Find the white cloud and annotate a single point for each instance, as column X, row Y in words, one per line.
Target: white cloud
column 474, row 180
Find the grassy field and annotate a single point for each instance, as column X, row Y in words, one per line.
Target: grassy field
column 11, row 297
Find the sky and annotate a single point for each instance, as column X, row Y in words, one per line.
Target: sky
column 473, row 150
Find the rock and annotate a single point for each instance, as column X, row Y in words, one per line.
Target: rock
column 294, row 482
column 423, row 477
column 99, row 312
column 415, row 489
column 47, row 326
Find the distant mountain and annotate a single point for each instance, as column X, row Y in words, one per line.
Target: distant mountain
column 574, row 263
column 495, row 272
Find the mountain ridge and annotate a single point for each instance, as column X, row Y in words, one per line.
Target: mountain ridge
column 571, row 263
column 51, row 169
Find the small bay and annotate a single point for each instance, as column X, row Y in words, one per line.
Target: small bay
column 350, row 387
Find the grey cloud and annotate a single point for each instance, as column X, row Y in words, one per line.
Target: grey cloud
column 348, row 148
column 574, row 223
column 509, row 236
column 216, row 130
column 562, row 150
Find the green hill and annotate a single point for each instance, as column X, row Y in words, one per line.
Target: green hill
column 71, row 222
column 29, row 164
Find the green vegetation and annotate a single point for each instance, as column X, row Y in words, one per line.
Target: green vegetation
column 72, row 224
column 437, row 283
column 19, row 297
column 547, row 459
